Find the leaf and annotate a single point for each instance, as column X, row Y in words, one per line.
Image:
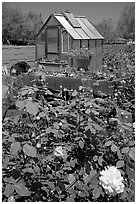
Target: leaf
column 6, row 133
column 50, row 129
column 120, row 164
column 88, row 168
column 108, row 143
column 87, row 104
column 74, row 93
column 130, row 172
column 51, row 185
column 5, row 162
column 14, row 148
column 21, row 189
column 29, row 150
column 30, row 170
column 4, row 91
column 56, row 126
column 100, row 160
column 89, row 127
column 97, row 127
column 20, row 104
column 16, row 118
column 100, row 100
column 95, row 158
column 81, row 144
column 125, row 150
column 32, row 108
column 9, row 190
column 119, row 154
column 61, row 185
column 24, row 92
column 72, row 163
column 132, row 153
column 114, row 148
column 71, row 178
column 89, row 177
column 96, row 192
column 87, row 111
column 11, row 199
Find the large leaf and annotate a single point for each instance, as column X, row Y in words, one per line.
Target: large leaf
column 132, row 153
column 114, row 148
column 125, row 150
column 29, row 150
column 21, row 189
column 14, row 148
column 50, row 184
column 89, row 177
column 20, row 104
column 74, row 93
column 32, row 108
column 120, row 164
column 61, row 185
column 9, row 190
column 4, row 91
column 96, row 192
column 130, row 172
column 81, row 144
column 108, row 143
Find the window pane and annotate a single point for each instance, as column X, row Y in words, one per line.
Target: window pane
column 52, row 39
column 65, row 41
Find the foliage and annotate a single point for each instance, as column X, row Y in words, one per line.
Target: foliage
column 81, row 53
column 106, row 28
column 125, row 27
column 126, row 23
column 55, row 149
column 17, row 27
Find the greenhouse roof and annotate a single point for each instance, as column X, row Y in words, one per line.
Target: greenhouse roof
column 77, row 26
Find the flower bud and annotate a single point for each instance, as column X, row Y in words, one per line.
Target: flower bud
column 38, row 145
column 38, row 118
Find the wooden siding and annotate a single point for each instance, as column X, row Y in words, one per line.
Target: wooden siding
column 52, row 56
column 40, row 50
column 93, row 60
column 85, row 43
column 76, row 44
column 52, row 22
column 99, row 55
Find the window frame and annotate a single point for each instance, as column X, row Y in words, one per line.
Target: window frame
column 52, row 52
column 63, row 41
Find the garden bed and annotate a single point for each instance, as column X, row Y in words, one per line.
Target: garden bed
column 75, row 145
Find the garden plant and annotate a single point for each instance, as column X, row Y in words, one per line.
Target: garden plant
column 79, row 148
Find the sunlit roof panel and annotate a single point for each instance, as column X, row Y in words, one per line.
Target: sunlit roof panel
column 86, row 29
column 92, row 28
column 68, row 27
column 72, row 20
column 82, row 33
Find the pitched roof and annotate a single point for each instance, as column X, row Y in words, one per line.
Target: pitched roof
column 77, row 26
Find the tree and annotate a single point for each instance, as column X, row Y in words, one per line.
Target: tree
column 33, row 23
column 106, row 28
column 126, row 23
column 18, row 27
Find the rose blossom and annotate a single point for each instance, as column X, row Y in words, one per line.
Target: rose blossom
column 111, row 180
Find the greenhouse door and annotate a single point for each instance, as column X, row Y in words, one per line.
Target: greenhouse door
column 52, row 40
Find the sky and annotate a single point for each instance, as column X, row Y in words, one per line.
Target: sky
column 94, row 11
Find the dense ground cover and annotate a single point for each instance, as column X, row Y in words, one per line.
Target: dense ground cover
column 69, row 145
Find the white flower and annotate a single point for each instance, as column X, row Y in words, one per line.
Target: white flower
column 111, row 180
column 38, row 118
column 11, row 199
column 59, row 152
column 80, row 88
column 38, row 145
